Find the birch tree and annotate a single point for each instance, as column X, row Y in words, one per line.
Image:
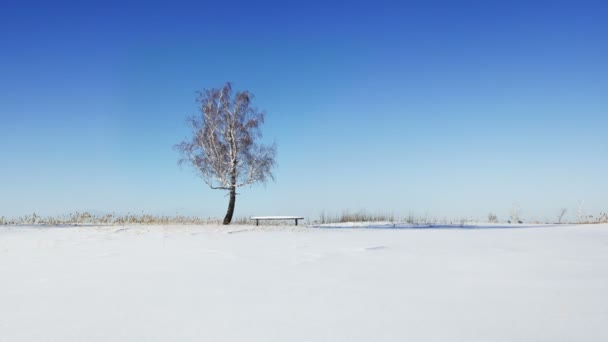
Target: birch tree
column 224, row 148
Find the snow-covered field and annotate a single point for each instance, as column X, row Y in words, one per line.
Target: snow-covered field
column 303, row 284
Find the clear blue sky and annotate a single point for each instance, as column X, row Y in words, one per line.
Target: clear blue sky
column 444, row 109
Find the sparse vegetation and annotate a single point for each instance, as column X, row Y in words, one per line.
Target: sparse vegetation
column 580, row 213
column 590, row 219
column 86, row 218
column 360, row 216
column 364, row 216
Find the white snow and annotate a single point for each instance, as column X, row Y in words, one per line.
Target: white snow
column 303, row 284
column 276, row 217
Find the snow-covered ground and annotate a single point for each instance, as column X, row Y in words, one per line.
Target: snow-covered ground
column 303, row 284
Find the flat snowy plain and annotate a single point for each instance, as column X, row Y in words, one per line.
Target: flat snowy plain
column 243, row 283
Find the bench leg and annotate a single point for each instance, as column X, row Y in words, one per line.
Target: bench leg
column 296, row 222
column 257, row 222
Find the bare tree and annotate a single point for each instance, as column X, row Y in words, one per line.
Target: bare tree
column 223, row 148
column 561, row 214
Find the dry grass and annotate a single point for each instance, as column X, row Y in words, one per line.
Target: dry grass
column 364, row 216
column 361, row 216
column 590, row 219
column 85, row 218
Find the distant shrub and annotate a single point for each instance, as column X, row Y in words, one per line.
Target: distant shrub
column 492, row 218
column 515, row 214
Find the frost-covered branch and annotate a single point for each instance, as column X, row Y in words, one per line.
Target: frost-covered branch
column 224, row 149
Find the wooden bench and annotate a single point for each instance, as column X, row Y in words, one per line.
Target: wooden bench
column 258, row 218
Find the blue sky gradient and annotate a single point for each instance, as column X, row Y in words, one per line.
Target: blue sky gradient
column 444, row 109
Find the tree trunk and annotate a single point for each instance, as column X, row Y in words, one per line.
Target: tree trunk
column 230, row 211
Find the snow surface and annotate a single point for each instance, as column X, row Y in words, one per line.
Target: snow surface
column 276, row 217
column 205, row 283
